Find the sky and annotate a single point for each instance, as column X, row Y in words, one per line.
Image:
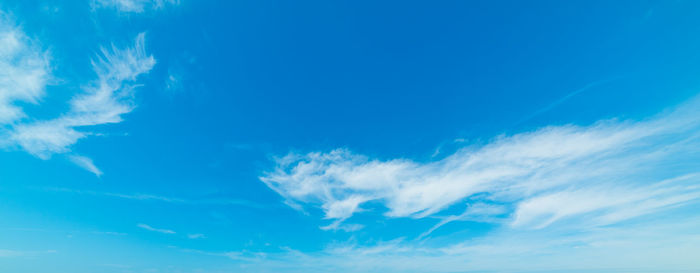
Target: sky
column 349, row 136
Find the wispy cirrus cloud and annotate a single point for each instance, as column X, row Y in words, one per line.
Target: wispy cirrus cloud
column 103, row 101
column 160, row 198
column 596, row 175
column 24, row 73
column 159, row 230
column 659, row 246
column 85, row 163
column 135, row 6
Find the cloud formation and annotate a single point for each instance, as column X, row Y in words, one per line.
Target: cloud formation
column 608, row 172
column 24, row 73
column 103, row 101
column 658, row 247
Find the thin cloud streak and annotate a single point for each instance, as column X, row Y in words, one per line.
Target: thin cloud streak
column 562, row 100
column 6, row 253
column 149, row 228
column 85, row 163
column 160, row 198
column 196, row 236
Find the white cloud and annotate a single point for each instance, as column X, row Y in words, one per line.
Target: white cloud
column 136, row 6
column 85, row 163
column 611, row 203
column 24, row 71
column 102, row 101
column 45, row 138
column 149, row 228
column 476, row 212
column 608, row 172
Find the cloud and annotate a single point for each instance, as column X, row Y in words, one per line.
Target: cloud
column 196, row 236
column 598, row 174
column 102, row 101
column 476, row 212
column 562, row 100
column 159, row 198
column 137, row 196
column 149, row 228
column 11, row 253
column 135, row 6
column 242, row 256
column 174, row 81
column 656, row 246
column 6, row 253
column 24, row 71
column 85, row 163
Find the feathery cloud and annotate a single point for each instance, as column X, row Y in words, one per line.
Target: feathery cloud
column 24, row 71
column 608, row 172
column 149, row 228
column 102, row 101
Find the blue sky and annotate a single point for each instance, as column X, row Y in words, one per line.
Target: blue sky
column 349, row 136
